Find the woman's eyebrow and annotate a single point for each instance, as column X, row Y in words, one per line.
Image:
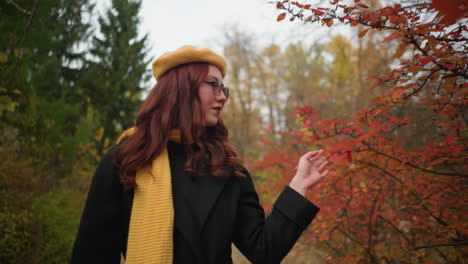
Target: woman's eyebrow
column 214, row 77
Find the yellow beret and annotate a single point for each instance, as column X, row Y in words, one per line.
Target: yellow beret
column 187, row 54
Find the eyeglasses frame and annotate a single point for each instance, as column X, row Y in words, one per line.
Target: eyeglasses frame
column 218, row 83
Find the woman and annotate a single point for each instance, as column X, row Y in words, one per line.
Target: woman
column 173, row 190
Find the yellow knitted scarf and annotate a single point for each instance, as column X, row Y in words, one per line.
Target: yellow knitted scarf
column 150, row 238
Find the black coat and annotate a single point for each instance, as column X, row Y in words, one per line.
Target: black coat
column 210, row 214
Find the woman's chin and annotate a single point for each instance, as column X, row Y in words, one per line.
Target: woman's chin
column 211, row 122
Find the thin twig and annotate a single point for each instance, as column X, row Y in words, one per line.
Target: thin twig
column 20, row 8
column 435, row 246
column 28, row 24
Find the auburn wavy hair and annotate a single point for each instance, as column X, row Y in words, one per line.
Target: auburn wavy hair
column 174, row 103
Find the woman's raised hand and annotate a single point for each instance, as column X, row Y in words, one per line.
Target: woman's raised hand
column 309, row 171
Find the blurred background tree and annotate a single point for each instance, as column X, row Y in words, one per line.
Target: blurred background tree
column 52, row 128
column 117, row 68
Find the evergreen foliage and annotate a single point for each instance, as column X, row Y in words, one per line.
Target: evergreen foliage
column 51, row 115
column 117, row 71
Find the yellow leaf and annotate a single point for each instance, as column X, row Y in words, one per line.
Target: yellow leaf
column 3, row 57
column 16, row 52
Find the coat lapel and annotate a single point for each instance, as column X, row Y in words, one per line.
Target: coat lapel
column 184, row 215
column 209, row 190
column 193, row 201
column 193, row 198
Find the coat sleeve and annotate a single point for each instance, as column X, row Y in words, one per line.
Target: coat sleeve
column 100, row 234
column 269, row 240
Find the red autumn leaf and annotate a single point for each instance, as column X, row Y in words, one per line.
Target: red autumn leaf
column 307, row 6
column 426, row 60
column 405, row 120
column 450, row 10
column 392, row 36
column 363, row 33
column 456, row 150
column 394, row 19
column 348, row 156
column 318, row 12
column 281, row 16
column 449, row 66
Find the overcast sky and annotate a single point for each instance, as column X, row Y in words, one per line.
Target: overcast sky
column 174, row 23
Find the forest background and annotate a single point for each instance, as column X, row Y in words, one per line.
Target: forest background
column 387, row 104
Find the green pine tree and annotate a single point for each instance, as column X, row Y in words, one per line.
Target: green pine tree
column 118, row 71
column 42, row 124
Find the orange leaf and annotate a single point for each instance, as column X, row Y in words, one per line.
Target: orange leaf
column 329, row 22
column 309, row 18
column 292, row 19
column 401, row 50
column 405, row 120
column 354, row 22
column 392, row 36
column 397, row 94
column 363, row 33
column 281, row 16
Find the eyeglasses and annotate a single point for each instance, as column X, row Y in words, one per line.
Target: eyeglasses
column 218, row 86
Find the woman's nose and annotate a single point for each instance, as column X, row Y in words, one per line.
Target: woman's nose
column 221, row 97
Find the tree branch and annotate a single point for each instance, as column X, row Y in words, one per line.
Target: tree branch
column 435, row 246
column 414, row 166
column 371, row 255
column 28, row 24
column 20, row 8
column 439, row 220
column 397, row 229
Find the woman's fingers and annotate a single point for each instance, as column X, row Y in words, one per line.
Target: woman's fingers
column 325, row 173
column 318, row 160
column 314, row 153
column 322, row 165
column 311, row 154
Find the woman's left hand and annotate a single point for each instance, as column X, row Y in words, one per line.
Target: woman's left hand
column 309, row 171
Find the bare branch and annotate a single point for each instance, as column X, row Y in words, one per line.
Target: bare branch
column 435, row 246
column 414, row 166
column 28, row 24
column 20, row 8
column 397, row 229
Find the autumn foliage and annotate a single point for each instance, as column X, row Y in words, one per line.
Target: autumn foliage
column 397, row 192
